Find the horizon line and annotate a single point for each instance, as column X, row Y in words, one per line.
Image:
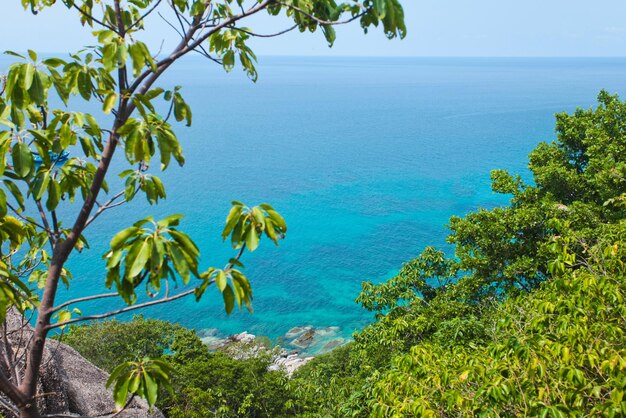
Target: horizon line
column 404, row 56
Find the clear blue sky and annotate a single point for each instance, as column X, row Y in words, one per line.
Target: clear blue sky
column 436, row 28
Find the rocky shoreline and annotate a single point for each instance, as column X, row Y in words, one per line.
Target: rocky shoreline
column 296, row 347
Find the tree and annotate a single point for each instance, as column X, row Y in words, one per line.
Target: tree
column 526, row 318
column 39, row 177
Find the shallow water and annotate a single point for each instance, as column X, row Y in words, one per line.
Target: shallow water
column 365, row 158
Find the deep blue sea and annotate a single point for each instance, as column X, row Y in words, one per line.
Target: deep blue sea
column 366, row 158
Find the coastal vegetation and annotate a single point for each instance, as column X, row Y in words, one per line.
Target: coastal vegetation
column 55, row 163
column 525, row 318
column 523, row 314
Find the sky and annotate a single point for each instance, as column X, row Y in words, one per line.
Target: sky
column 494, row 28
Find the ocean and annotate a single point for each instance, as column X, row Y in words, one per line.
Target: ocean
column 366, row 159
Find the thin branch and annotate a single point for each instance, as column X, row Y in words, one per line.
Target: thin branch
column 56, row 349
column 88, row 16
column 144, row 15
column 180, row 33
column 123, row 310
column 44, row 219
column 8, row 354
column 10, row 390
column 271, row 35
column 55, row 223
column 148, row 77
column 179, row 17
column 125, row 406
column 85, row 299
column 237, row 257
column 22, row 217
column 18, row 358
column 322, row 21
column 179, row 14
column 205, row 54
column 10, row 407
column 171, row 25
column 107, row 205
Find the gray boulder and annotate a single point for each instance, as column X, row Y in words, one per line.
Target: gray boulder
column 69, row 385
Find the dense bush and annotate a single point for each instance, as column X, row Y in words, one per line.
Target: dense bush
column 109, row 343
column 559, row 351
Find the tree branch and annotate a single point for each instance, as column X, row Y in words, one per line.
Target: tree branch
column 10, row 407
column 135, row 23
column 12, row 391
column 123, row 310
column 107, row 205
column 88, row 16
column 22, row 217
column 46, row 225
column 184, row 47
column 85, row 299
column 258, row 35
column 8, row 355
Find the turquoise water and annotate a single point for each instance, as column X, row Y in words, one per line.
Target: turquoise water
column 365, row 158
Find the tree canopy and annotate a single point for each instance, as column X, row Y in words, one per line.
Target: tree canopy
column 53, row 154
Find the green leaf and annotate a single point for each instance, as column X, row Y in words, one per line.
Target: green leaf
column 40, row 185
column 15, row 54
column 36, row 91
column 380, row 6
column 23, row 161
column 180, row 263
column 84, row 84
column 143, row 251
column 185, row 242
column 3, row 204
column 53, row 62
column 171, row 220
column 229, row 299
column 252, row 239
column 231, row 220
column 120, row 391
column 27, row 75
column 117, row 371
column 152, row 388
column 121, row 237
column 16, row 192
column 109, row 102
column 277, row 219
column 54, row 195
column 220, row 280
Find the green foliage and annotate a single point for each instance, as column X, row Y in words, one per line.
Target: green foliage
column 143, row 378
column 202, row 383
column 556, row 352
column 156, row 254
column 462, row 336
column 109, row 343
column 576, row 180
column 324, row 385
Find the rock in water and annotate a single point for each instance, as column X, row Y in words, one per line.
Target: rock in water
column 243, row 337
column 295, row 332
column 305, row 340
